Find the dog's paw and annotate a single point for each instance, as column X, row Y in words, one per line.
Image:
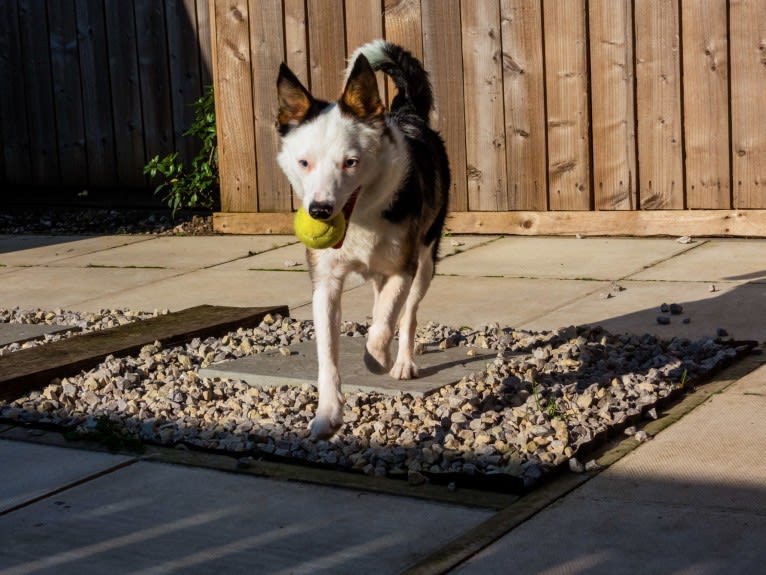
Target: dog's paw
column 327, row 421
column 404, row 370
column 323, row 428
column 377, row 361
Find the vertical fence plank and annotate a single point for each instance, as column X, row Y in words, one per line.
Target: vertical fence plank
column 327, row 47
column 99, row 131
column 484, row 115
column 67, row 90
column 403, row 22
column 37, row 79
column 296, row 40
column 234, row 106
column 748, row 86
column 267, row 51
column 126, row 93
column 154, row 77
column 658, row 97
column 443, row 59
column 613, row 105
column 185, row 86
column 524, row 94
column 364, row 23
column 205, row 48
column 13, row 103
column 566, row 78
column 706, row 103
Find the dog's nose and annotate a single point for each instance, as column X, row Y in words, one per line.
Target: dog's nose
column 320, row 210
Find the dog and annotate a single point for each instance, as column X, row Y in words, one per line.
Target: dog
column 387, row 170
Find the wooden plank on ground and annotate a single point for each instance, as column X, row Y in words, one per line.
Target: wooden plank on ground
column 67, row 93
column 658, row 98
column 267, row 53
column 443, row 60
column 33, row 368
column 566, row 72
column 126, row 93
column 327, row 47
column 747, row 21
column 36, row 76
column 484, row 114
column 234, row 106
column 524, row 94
column 613, row 105
column 706, row 103
column 674, row 223
column 253, row 223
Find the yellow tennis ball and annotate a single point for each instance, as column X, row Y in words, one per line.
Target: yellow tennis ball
column 317, row 234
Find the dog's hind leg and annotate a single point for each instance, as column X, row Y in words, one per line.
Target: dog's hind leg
column 390, row 294
column 326, row 310
column 405, row 367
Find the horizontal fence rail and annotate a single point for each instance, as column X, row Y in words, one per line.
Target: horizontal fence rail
column 545, row 106
column 92, row 89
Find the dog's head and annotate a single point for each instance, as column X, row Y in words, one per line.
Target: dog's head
column 326, row 148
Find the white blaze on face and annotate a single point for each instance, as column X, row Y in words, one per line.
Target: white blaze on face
column 317, row 158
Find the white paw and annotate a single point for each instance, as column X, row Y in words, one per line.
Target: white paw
column 404, row 370
column 327, row 420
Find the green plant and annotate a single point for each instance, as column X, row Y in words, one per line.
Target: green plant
column 197, row 186
column 110, row 435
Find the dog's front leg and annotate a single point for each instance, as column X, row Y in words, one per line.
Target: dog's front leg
column 326, row 308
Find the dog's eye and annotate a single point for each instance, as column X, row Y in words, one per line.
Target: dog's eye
column 303, row 163
column 350, row 163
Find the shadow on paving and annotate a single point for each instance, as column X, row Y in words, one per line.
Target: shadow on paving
column 625, row 524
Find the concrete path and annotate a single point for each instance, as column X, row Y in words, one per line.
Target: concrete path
column 689, row 501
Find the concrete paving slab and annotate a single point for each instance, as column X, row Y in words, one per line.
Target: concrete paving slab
column 272, row 369
column 158, row 518
column 181, row 252
column 31, row 471
column 475, row 301
column 715, row 260
column 23, row 250
column 691, row 500
column 636, row 309
column 454, row 244
column 588, row 258
column 211, row 286
column 51, row 287
column 21, row 332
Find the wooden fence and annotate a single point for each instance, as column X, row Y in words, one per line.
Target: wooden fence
column 560, row 116
column 91, row 89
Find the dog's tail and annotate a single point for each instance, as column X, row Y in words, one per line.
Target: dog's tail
column 409, row 77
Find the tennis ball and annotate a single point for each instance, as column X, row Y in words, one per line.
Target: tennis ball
column 318, row 234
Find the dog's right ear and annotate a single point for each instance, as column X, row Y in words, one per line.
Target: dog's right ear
column 295, row 101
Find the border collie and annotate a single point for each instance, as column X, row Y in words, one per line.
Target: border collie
column 387, row 170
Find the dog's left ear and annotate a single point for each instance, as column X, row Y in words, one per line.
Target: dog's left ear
column 295, row 101
column 360, row 97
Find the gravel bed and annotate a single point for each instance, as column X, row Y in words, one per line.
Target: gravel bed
column 540, row 405
column 93, row 221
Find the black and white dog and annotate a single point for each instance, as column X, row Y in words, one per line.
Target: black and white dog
column 388, row 171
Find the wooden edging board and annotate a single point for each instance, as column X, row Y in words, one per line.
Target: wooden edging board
column 645, row 223
column 32, row 368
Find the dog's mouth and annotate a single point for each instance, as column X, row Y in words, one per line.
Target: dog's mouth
column 347, row 210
